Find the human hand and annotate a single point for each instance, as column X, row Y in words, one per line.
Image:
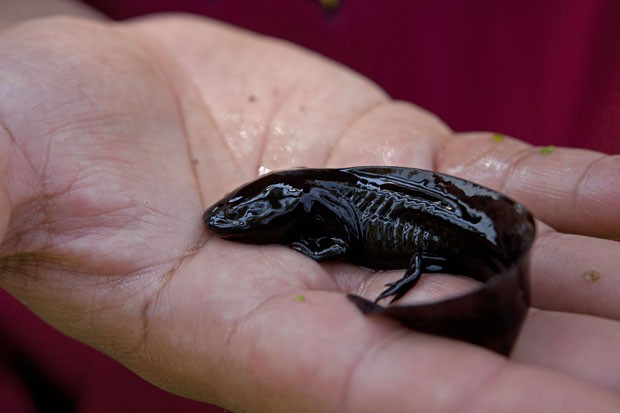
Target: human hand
column 116, row 137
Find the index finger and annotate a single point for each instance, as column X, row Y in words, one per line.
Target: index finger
column 572, row 190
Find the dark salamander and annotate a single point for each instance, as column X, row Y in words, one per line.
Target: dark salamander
column 387, row 218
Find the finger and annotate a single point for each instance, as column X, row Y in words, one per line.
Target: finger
column 394, row 133
column 570, row 273
column 322, row 355
column 573, row 190
column 459, row 379
column 580, row 346
column 575, row 273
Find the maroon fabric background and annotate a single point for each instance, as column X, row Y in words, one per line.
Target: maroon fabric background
column 547, row 72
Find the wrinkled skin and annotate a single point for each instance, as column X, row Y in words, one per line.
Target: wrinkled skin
column 115, row 137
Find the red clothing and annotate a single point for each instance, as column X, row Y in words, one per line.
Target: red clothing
column 546, row 72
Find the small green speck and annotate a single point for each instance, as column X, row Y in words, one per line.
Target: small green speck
column 300, row 298
column 498, row 137
column 547, row 149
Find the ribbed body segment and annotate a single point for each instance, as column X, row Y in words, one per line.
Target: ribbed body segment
column 392, row 227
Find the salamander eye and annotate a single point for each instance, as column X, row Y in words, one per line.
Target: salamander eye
column 230, row 213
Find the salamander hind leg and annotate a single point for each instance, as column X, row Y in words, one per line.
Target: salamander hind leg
column 400, row 287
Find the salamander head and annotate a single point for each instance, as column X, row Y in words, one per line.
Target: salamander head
column 258, row 213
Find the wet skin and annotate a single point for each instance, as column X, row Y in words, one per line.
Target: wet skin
column 387, row 218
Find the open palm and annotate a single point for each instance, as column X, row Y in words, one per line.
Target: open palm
column 116, row 137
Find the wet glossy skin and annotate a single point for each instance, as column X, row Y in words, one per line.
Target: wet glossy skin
column 389, row 218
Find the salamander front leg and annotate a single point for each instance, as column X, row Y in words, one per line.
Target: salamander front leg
column 321, row 248
column 400, row 287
